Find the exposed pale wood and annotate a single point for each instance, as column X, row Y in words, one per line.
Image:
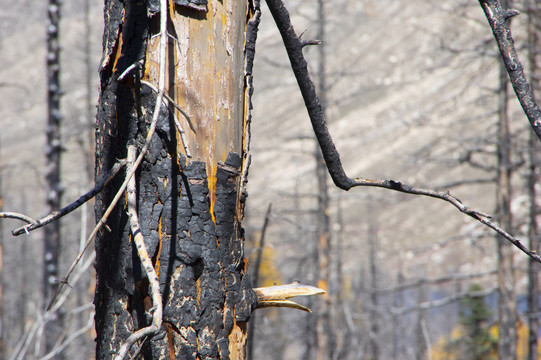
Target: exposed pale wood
column 277, row 296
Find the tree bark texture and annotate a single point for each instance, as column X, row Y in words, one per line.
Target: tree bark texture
column 190, row 209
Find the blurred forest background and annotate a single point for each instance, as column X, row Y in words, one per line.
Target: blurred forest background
column 412, row 92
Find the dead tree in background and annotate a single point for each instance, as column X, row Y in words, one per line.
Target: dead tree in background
column 507, row 308
column 53, row 151
column 259, row 256
column 534, row 31
column 397, row 323
column 326, row 338
column 373, row 270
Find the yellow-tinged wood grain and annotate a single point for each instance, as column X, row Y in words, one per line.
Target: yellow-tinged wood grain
column 205, row 76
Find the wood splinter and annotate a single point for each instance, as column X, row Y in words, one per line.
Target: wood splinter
column 277, row 296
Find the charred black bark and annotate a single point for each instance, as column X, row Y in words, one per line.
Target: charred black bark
column 200, row 258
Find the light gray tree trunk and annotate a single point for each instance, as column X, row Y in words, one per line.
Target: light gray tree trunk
column 507, row 316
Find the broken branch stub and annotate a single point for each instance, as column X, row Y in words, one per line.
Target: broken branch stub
column 277, row 296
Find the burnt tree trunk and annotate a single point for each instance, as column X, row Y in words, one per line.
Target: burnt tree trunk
column 53, row 152
column 190, row 209
column 326, row 338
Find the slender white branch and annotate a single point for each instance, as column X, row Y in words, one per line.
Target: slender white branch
column 128, row 70
column 132, row 211
column 139, row 241
column 14, row 215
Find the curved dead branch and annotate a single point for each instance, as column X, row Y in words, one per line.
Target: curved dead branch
column 294, row 45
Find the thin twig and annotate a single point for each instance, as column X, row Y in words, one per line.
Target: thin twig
column 255, row 279
column 59, row 298
column 36, row 224
column 294, row 45
column 36, row 329
column 71, row 338
column 182, row 135
column 172, row 102
column 128, row 70
column 433, row 281
column 139, row 240
column 175, row 119
column 466, row 182
column 498, row 18
column 441, row 302
column 14, row 215
column 23, row 343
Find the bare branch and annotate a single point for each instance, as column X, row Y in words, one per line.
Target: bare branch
column 433, row 281
column 71, row 338
column 466, row 182
column 14, row 215
column 129, row 69
column 498, row 19
column 35, row 330
column 172, row 102
column 442, row 302
column 55, row 215
column 177, row 123
column 293, row 45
